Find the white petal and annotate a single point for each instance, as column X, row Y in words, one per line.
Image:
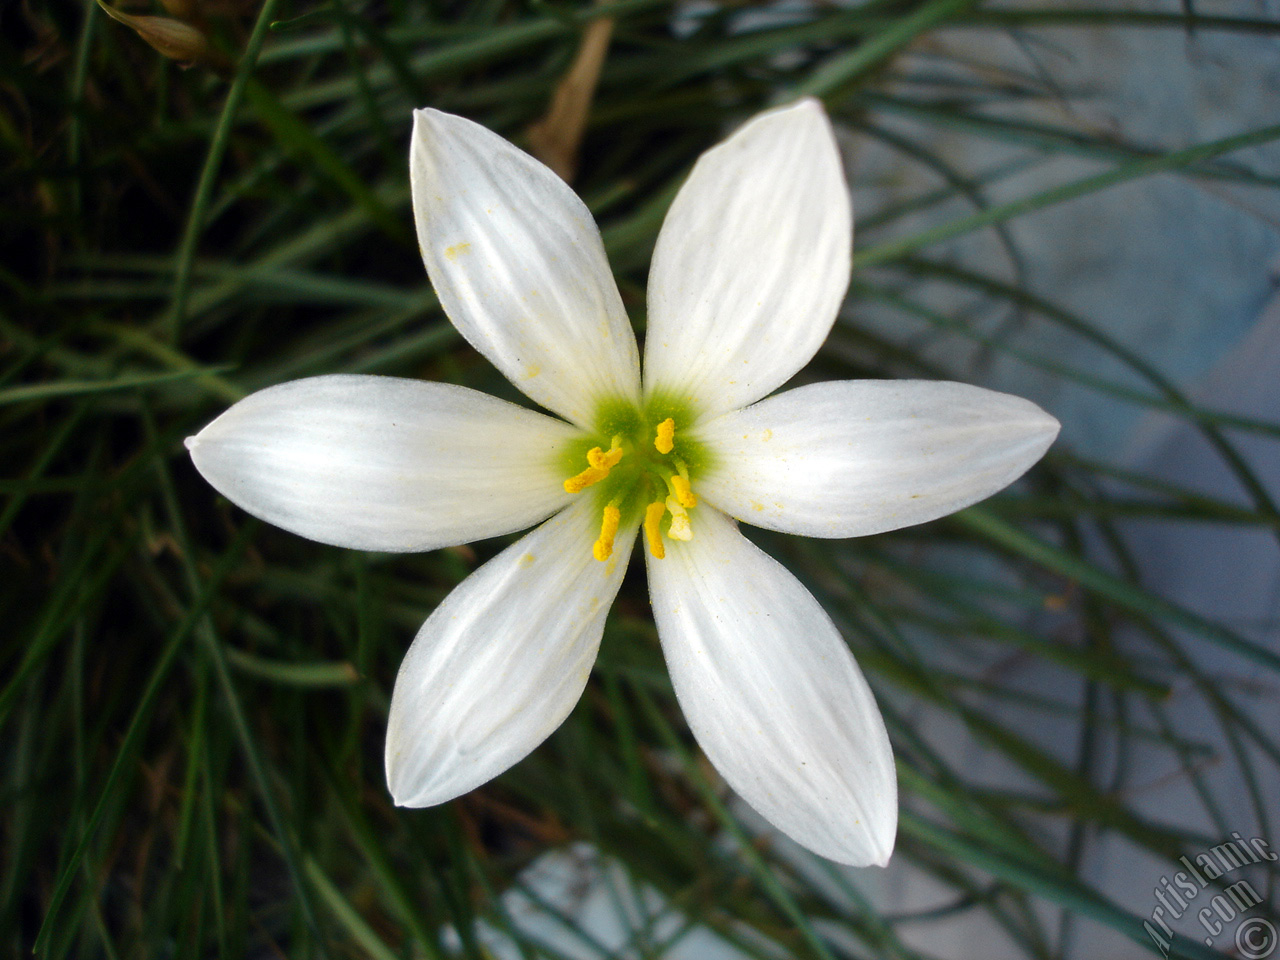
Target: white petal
column 752, row 263
column 380, row 463
column 855, row 457
column 519, row 267
column 773, row 695
column 502, row 661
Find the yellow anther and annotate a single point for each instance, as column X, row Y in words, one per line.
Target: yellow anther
column 684, row 494
column 602, row 550
column 586, row 478
column 601, row 464
column 679, row 529
column 652, row 518
column 665, row 442
column 604, row 461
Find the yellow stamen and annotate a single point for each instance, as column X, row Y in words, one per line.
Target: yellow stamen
column 679, row 529
column 652, row 518
column 685, row 495
column 602, row 550
column 601, row 464
column 586, row 478
column 665, row 441
column 605, row 461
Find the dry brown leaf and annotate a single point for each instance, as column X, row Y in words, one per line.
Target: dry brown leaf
column 557, row 137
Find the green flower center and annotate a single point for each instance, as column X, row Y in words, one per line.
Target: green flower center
column 640, row 465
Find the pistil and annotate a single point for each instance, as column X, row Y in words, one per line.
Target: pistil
column 679, row 528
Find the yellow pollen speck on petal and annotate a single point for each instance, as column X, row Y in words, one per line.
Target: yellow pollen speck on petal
column 452, row 252
column 602, row 550
column 665, row 441
column 652, row 534
column 684, row 494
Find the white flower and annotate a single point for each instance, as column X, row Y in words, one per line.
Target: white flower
column 750, row 268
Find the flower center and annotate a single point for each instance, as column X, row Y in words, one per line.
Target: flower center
column 644, row 472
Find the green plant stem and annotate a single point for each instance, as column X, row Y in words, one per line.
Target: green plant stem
column 209, row 172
